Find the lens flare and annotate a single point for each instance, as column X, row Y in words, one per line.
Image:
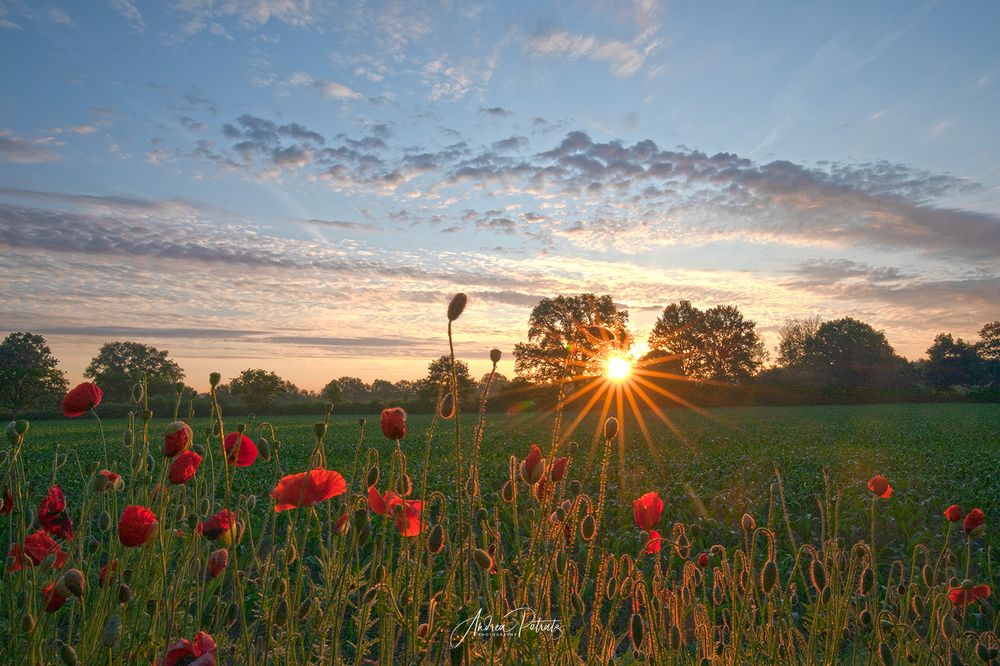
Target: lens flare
column 618, row 369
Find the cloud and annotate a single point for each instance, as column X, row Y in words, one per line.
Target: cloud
column 495, row 112
column 127, row 9
column 330, row 89
column 340, row 224
column 13, row 149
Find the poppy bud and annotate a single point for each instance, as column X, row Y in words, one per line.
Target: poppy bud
column 217, row 562
column 104, row 521
column 507, row 492
column 611, row 428
column 588, row 528
column 885, row 654
column 867, row 580
column 435, row 540
column 177, row 437
column 558, row 470
column 147, row 414
column 423, row 629
column 264, row 449
column 574, row 487
column 495, row 355
column 319, row 429
column 124, row 593
column 213, row 379
column 128, row 437
column 281, row 612
column 457, row 306
column 865, row 617
column 817, row 574
column 112, row 632
column 11, row 432
column 769, row 577
column 404, row 486
column 68, row 655
column 72, row 581
column 28, row 623
column 635, row 630
column 748, row 523
column 533, row 466
column 447, row 407
column 483, row 559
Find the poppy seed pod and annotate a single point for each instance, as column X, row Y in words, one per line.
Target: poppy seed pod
column 495, row 355
column 435, row 540
column 611, row 428
column 457, row 306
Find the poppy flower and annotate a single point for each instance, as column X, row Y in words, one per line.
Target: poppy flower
column 973, row 521
column 137, row 526
column 220, row 527
column 185, row 653
column 962, row 597
column 341, row 526
column 81, row 399
column 107, row 572
column 703, row 560
column 655, row 542
column 540, row 489
column 646, row 510
column 558, row 470
column 394, row 423
column 243, row 455
column 183, row 468
column 953, row 513
column 307, row 488
column 408, row 518
column 6, row 502
column 52, row 514
column 106, row 480
column 379, row 503
column 176, row 438
column 36, row 548
column 533, row 466
column 53, row 599
column 879, row 485
column 217, row 562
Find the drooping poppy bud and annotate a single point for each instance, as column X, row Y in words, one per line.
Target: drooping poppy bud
column 176, row 438
column 559, row 466
column 533, row 466
column 879, row 485
column 457, row 306
column 394, row 423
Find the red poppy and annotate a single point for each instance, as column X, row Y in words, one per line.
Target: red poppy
column 36, row 548
column 245, row 454
column 107, row 572
column 106, row 480
column 408, row 518
column 655, row 542
column 558, row 470
column 962, row 597
column 82, row 399
column 973, row 521
column 533, row 466
column 220, row 527
column 953, row 513
column 177, row 437
column 381, row 503
column 185, row 653
column 540, row 489
column 137, row 526
column 217, row 561
column 52, row 514
column 394, row 423
column 307, row 488
column 703, row 560
column 183, row 468
column 53, row 600
column 340, row 527
column 6, row 502
column 646, row 510
column 879, row 485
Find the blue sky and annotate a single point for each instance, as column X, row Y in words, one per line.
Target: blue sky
column 302, row 185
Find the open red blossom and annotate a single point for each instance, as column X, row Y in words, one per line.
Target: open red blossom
column 36, row 548
column 408, row 518
column 220, row 527
column 6, row 502
column 217, row 561
column 201, row 652
column 879, row 485
column 961, row 597
column 703, row 560
column 137, row 526
column 394, row 423
column 646, row 510
column 558, row 470
column 953, row 513
column 533, row 466
column 176, row 438
column 53, row 600
column 973, row 521
column 242, row 455
column 183, row 468
column 106, row 480
column 307, row 488
column 52, row 514
column 655, row 542
column 82, row 399
column 379, row 503
column 340, row 527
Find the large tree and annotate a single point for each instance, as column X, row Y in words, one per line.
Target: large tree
column 563, row 327
column 847, row 354
column 718, row 343
column 794, row 334
column 353, row 389
column 952, row 362
column 260, row 389
column 439, row 377
column 29, row 375
column 118, row 366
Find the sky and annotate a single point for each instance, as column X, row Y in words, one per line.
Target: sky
column 301, row 186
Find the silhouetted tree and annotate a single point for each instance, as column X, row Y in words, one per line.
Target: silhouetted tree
column 353, row 389
column 847, row 354
column 119, row 366
column 260, row 389
column 439, row 375
column 794, row 334
column 718, row 343
column 28, row 373
column 988, row 348
column 331, row 391
column 953, row 362
column 557, row 329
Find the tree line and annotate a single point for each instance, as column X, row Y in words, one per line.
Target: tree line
column 708, row 356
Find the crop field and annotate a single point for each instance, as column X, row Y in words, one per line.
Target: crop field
column 770, row 545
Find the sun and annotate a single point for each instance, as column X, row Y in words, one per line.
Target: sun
column 618, row 369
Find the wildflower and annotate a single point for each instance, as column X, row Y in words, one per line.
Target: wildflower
column 242, row 455
column 176, row 438
column 220, row 527
column 106, row 480
column 380, row 504
column 409, row 522
column 217, row 562
column 81, row 399
column 533, row 466
column 655, row 542
column 540, row 489
column 53, row 599
column 6, row 502
column 137, row 526
column 703, row 560
column 879, row 485
column 953, row 513
column 394, row 423
column 36, row 548
column 973, row 521
column 185, row 653
column 646, row 510
column 963, row 596
column 307, row 488
column 341, row 526
column 183, row 468
column 558, row 470
column 52, row 514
